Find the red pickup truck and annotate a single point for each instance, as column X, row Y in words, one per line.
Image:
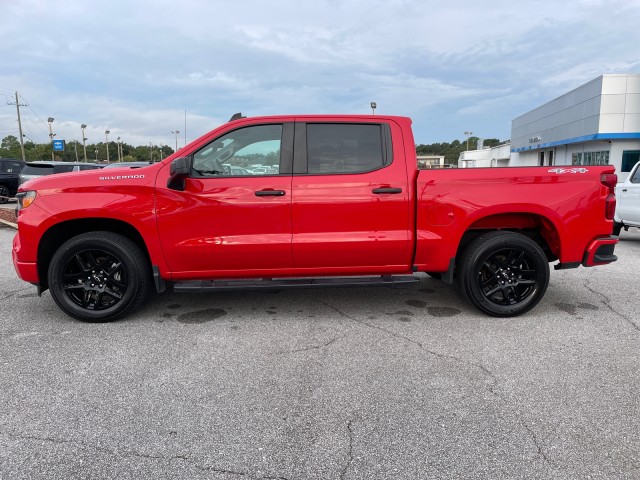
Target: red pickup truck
column 305, row 200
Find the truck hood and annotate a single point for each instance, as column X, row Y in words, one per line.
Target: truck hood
column 92, row 179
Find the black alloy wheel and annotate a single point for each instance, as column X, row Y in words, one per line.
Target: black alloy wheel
column 504, row 274
column 99, row 276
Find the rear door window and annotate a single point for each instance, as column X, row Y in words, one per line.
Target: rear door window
column 344, row 148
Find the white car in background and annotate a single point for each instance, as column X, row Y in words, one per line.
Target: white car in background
column 628, row 202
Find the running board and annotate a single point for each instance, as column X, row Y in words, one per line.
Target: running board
column 275, row 283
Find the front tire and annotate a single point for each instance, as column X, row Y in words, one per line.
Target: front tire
column 504, row 274
column 99, row 276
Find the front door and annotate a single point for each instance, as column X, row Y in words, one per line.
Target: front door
column 234, row 216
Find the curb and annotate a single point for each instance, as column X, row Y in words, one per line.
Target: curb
column 9, row 224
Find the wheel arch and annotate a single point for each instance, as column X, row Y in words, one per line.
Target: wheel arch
column 63, row 231
column 533, row 225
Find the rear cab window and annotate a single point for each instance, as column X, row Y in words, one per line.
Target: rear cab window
column 344, row 148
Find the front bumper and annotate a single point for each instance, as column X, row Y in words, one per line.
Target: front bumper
column 27, row 271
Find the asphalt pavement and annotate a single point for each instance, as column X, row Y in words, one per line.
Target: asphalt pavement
column 358, row 383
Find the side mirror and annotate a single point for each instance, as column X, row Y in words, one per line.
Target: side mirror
column 179, row 169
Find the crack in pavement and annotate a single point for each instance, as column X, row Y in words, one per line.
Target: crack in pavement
column 344, row 471
column 479, row 366
column 306, row 349
column 606, row 301
column 11, row 294
column 132, row 453
column 534, row 438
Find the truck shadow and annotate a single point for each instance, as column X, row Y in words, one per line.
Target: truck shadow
column 430, row 298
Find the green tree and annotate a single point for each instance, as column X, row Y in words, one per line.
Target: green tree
column 10, row 147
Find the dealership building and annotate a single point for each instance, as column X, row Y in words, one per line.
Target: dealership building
column 597, row 123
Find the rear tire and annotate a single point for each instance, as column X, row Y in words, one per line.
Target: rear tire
column 504, row 274
column 99, row 276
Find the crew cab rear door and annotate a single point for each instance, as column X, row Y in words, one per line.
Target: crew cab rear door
column 351, row 196
column 628, row 200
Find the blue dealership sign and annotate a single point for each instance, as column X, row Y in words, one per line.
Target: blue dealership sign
column 58, row 145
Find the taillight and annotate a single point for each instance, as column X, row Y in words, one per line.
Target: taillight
column 610, row 206
column 609, row 180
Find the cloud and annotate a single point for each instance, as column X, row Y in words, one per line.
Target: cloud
column 134, row 67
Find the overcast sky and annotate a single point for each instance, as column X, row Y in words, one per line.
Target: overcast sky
column 134, row 67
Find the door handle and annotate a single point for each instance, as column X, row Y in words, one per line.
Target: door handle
column 270, row 193
column 386, row 190
column 624, row 189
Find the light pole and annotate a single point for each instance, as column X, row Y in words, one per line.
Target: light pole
column 106, row 135
column 84, row 141
column 118, row 146
column 468, row 133
column 51, row 135
column 373, row 108
column 176, row 134
column 96, row 155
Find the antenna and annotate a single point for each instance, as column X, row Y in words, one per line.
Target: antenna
column 236, row 116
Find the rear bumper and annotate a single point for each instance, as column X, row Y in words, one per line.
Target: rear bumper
column 600, row 252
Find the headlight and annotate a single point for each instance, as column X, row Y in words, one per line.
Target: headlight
column 25, row 198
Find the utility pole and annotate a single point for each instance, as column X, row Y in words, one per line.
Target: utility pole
column 18, row 105
column 84, row 141
column 106, row 136
column 468, row 133
column 51, row 135
column 176, row 132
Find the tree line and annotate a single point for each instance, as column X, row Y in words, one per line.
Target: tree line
column 10, row 148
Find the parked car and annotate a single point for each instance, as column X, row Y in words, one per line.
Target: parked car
column 128, row 165
column 9, row 177
column 628, row 204
column 39, row 168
